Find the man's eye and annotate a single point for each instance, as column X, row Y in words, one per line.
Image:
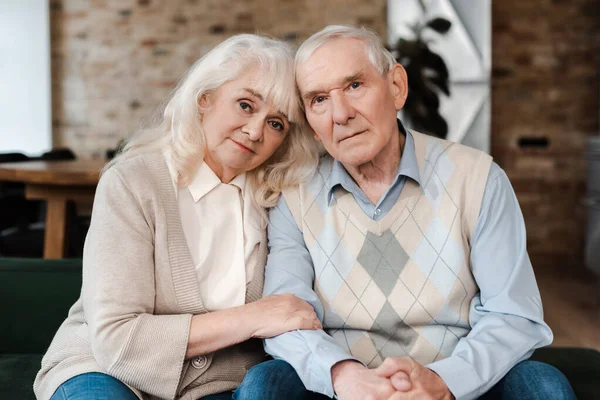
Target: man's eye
column 355, row 85
column 319, row 99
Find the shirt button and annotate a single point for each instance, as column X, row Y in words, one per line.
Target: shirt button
column 199, row 362
column 378, row 211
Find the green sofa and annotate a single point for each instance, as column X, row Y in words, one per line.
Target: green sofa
column 36, row 295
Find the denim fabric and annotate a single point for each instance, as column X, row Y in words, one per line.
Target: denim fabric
column 532, row 380
column 269, row 380
column 276, row 379
column 93, row 386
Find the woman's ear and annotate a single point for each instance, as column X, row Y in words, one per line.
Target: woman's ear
column 203, row 103
column 399, row 85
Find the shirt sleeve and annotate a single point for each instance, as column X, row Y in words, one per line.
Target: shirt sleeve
column 506, row 315
column 290, row 269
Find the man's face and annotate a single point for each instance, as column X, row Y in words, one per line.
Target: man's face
column 349, row 105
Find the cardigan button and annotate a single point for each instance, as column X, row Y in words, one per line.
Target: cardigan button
column 199, row 362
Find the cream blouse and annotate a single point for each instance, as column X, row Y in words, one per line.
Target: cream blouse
column 222, row 230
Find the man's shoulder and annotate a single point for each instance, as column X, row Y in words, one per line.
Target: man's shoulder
column 313, row 186
column 320, row 175
column 436, row 151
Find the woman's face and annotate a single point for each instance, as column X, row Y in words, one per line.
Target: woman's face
column 241, row 127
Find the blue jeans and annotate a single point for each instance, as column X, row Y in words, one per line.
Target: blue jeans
column 270, row 380
column 93, row 386
column 532, row 380
column 276, row 379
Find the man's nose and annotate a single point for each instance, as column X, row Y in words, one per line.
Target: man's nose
column 342, row 109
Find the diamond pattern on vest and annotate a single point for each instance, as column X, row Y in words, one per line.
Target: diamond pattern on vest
column 400, row 286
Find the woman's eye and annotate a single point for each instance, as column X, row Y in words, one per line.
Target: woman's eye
column 245, row 106
column 277, row 125
column 355, row 85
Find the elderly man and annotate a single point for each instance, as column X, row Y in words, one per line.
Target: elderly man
column 411, row 249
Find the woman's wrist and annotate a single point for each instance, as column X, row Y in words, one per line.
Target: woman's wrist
column 219, row 329
column 249, row 320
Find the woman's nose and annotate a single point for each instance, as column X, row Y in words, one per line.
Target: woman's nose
column 254, row 129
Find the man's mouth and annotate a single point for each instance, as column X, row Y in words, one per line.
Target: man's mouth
column 352, row 135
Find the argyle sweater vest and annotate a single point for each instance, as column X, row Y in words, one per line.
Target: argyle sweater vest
column 400, row 286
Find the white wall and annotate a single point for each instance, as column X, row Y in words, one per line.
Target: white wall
column 25, row 100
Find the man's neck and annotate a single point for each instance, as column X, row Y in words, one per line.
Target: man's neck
column 376, row 176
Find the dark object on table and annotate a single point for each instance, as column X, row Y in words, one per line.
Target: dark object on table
column 60, row 154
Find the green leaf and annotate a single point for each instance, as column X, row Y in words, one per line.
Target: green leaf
column 440, row 25
column 435, row 62
column 442, row 84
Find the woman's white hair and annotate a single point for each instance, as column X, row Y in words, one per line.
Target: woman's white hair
column 180, row 128
column 379, row 56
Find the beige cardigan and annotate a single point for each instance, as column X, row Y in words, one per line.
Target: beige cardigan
column 138, row 296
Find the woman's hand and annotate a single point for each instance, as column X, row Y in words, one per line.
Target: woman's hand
column 265, row 318
column 280, row 313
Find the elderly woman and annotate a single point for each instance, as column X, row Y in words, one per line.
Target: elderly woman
column 174, row 259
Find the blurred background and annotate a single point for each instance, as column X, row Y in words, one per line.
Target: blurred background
column 518, row 79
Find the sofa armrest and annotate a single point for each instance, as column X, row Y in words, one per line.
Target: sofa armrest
column 35, row 297
column 581, row 366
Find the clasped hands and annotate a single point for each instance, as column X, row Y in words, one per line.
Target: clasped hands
column 395, row 379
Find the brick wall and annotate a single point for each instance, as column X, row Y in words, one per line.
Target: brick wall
column 114, row 61
column 545, row 84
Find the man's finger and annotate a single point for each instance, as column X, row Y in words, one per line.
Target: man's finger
column 401, row 381
column 391, row 365
column 399, row 396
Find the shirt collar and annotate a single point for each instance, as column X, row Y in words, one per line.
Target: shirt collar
column 408, row 167
column 206, row 180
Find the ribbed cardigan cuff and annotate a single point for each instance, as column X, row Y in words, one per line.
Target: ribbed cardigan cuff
column 157, row 371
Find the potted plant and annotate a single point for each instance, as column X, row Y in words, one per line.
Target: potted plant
column 427, row 76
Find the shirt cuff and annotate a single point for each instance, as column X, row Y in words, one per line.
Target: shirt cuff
column 326, row 356
column 460, row 377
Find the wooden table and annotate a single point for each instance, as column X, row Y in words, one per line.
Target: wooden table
column 56, row 182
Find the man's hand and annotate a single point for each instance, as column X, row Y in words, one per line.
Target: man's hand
column 352, row 380
column 414, row 380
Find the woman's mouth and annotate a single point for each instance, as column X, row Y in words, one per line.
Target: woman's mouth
column 242, row 147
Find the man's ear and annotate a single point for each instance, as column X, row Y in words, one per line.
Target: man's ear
column 399, row 85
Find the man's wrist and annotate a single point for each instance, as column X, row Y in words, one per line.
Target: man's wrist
column 339, row 368
column 448, row 395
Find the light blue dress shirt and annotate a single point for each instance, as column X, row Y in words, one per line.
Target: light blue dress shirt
column 505, row 315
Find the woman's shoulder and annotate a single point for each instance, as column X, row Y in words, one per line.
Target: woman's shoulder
column 139, row 174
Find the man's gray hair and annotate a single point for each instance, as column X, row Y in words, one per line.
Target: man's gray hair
column 379, row 56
